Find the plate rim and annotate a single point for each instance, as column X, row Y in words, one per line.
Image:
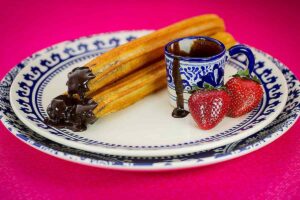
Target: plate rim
column 144, row 152
column 135, row 168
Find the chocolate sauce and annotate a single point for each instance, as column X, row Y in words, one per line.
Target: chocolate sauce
column 179, row 111
column 204, row 49
column 68, row 112
column 78, row 80
column 200, row 48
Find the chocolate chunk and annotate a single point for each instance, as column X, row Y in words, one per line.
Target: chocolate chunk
column 68, row 112
column 78, row 80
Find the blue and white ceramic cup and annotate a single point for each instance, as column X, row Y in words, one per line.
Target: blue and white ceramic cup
column 201, row 60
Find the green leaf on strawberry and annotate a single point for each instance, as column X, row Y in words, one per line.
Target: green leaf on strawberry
column 207, row 87
column 245, row 74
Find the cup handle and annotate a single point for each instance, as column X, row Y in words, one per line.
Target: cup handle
column 237, row 49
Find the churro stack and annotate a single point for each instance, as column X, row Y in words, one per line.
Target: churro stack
column 139, row 84
column 128, row 73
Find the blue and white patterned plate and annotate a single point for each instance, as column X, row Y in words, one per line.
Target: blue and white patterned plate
column 274, row 130
column 137, row 130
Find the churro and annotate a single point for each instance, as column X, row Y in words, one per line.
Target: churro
column 124, row 59
column 124, row 75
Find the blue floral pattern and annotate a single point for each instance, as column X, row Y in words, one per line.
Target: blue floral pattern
column 192, row 74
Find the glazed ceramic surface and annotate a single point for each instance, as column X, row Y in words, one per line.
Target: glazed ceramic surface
column 198, row 71
column 274, row 130
column 146, row 128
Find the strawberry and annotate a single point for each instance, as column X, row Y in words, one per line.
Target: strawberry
column 208, row 106
column 245, row 93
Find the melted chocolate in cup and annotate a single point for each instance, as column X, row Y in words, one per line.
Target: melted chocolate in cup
column 199, row 49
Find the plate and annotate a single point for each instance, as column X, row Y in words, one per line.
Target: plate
column 273, row 131
column 137, row 130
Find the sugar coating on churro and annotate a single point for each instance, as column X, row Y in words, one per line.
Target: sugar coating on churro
column 124, row 75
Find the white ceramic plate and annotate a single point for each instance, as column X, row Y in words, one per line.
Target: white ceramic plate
column 137, row 130
column 273, row 131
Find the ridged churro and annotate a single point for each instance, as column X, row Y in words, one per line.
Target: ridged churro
column 134, row 87
column 126, row 74
column 143, row 51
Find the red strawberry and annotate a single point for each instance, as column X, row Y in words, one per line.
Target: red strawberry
column 245, row 93
column 208, row 107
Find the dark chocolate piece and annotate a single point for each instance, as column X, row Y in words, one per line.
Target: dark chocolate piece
column 68, row 112
column 78, row 80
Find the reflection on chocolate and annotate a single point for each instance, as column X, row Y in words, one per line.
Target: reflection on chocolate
column 78, row 80
column 68, row 112
column 200, row 48
column 179, row 111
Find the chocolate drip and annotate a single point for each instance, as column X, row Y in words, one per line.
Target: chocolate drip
column 78, row 80
column 199, row 48
column 179, row 111
column 68, row 112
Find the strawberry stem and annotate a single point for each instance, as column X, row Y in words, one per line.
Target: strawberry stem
column 245, row 74
column 206, row 87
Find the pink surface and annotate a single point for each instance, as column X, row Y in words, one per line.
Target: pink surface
column 25, row 173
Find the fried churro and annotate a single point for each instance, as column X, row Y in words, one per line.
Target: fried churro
column 124, row 75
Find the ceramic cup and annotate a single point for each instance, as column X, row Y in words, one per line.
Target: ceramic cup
column 201, row 60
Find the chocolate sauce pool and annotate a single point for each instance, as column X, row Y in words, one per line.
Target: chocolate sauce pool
column 73, row 110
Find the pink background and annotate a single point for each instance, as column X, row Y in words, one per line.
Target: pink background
column 28, row 26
